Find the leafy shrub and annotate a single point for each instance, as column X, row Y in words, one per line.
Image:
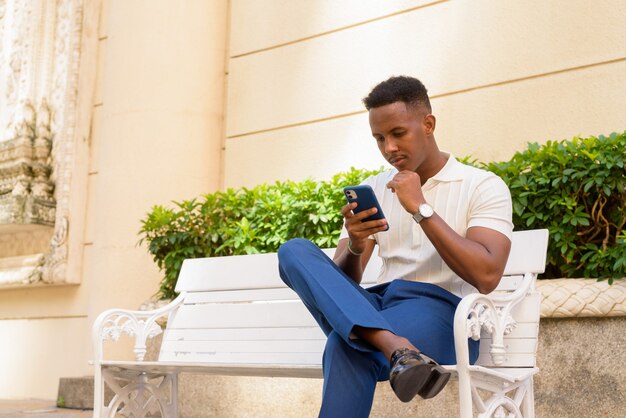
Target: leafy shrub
column 577, row 190
column 246, row 221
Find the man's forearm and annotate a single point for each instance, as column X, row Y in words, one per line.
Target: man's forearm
column 479, row 258
column 350, row 263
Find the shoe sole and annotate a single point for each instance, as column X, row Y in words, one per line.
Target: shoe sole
column 411, row 381
column 437, row 380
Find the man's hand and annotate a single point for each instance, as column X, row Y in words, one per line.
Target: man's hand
column 408, row 187
column 359, row 231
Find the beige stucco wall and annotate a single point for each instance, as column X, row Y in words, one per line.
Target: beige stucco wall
column 501, row 73
column 155, row 136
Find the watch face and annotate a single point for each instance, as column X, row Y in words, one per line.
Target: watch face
column 426, row 210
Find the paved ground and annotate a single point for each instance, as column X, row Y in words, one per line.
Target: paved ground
column 36, row 408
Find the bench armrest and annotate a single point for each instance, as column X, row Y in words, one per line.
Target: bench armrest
column 142, row 325
column 490, row 313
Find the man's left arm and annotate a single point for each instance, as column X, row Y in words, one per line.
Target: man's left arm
column 478, row 258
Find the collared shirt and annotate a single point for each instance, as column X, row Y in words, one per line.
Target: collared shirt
column 463, row 196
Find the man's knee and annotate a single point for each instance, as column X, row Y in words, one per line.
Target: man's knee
column 293, row 248
column 290, row 255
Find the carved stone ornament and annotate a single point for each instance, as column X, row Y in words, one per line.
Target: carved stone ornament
column 26, row 190
column 40, row 52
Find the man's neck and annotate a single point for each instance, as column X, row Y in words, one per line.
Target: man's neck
column 432, row 166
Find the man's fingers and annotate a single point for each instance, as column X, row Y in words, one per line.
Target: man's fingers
column 346, row 211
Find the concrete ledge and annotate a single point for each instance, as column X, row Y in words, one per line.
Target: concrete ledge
column 582, row 375
column 77, row 393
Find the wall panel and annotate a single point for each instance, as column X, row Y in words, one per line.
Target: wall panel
column 452, row 46
column 29, row 374
column 316, row 150
column 490, row 124
column 264, row 24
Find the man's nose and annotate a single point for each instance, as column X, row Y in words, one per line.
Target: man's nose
column 390, row 146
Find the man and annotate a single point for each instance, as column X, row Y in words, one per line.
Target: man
column 447, row 228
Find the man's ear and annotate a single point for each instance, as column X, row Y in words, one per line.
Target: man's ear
column 429, row 124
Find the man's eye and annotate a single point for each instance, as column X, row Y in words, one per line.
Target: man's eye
column 398, row 134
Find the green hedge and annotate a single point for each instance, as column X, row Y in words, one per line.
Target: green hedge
column 246, row 221
column 574, row 188
column 577, row 190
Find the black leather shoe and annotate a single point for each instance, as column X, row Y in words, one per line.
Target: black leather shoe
column 414, row 373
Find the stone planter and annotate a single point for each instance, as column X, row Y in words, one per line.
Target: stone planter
column 575, row 298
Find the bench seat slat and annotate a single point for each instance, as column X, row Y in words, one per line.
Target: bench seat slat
column 527, row 311
column 522, row 330
column 281, row 370
column 285, row 313
column 512, row 346
column 245, row 334
column 512, row 360
column 224, row 369
column 250, row 346
column 282, row 293
column 258, row 271
column 311, row 358
column 509, row 283
column 528, row 252
column 214, row 349
column 243, row 315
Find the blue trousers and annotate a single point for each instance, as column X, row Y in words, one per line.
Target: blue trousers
column 420, row 312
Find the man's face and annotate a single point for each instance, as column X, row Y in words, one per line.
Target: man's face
column 400, row 134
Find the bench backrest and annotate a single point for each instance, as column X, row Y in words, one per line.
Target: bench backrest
column 238, row 311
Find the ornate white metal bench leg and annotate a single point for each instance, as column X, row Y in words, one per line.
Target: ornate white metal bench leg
column 141, row 394
column 98, row 404
column 528, row 404
column 501, row 405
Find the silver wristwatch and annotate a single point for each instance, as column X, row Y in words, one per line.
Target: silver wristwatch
column 423, row 211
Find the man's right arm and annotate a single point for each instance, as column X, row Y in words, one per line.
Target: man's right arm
column 353, row 253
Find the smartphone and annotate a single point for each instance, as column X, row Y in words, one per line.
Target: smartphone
column 364, row 195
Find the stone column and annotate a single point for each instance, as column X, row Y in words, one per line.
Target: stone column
column 157, row 133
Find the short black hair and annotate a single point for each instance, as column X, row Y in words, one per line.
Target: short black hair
column 405, row 89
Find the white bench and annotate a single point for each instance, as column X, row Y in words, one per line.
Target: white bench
column 234, row 316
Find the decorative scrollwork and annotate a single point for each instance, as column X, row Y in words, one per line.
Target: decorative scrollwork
column 509, row 324
column 503, row 407
column 141, row 394
column 141, row 325
column 502, row 412
column 485, row 317
column 473, row 323
column 132, row 326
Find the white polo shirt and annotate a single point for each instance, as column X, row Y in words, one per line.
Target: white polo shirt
column 463, row 196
